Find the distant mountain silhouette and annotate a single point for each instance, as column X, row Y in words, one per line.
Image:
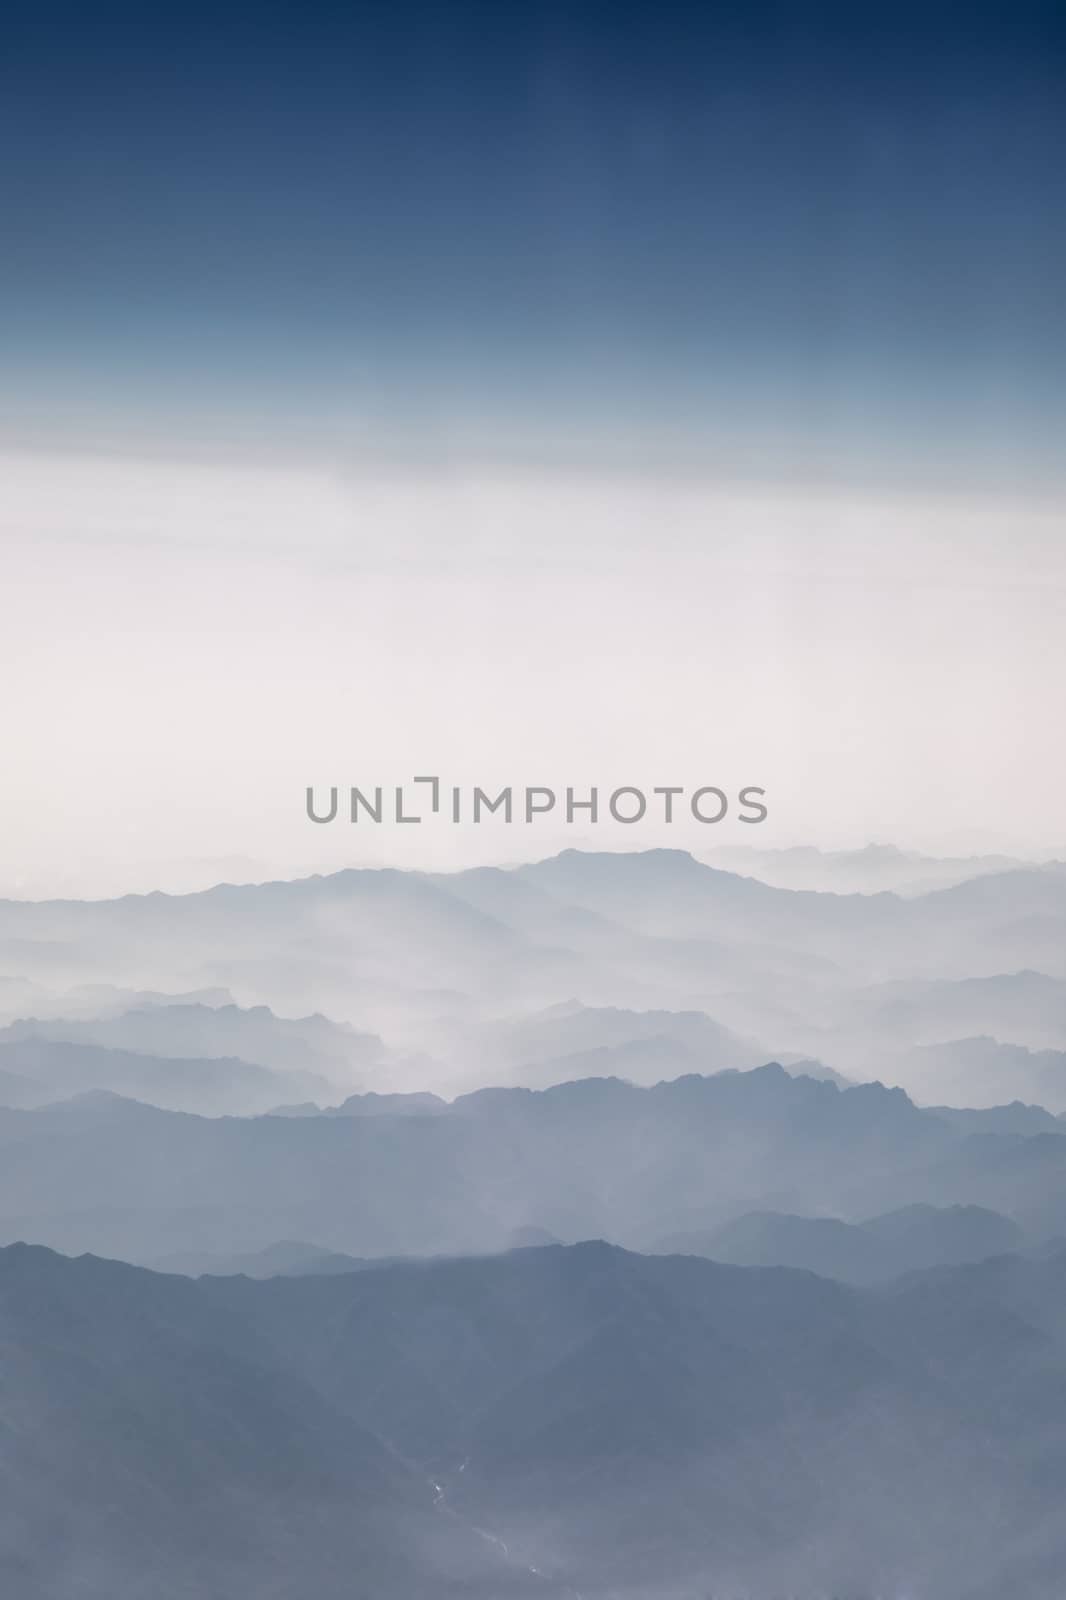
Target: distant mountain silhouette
column 450, row 971
column 875, row 1251
column 1017, row 1117
column 286, row 1258
column 865, row 871
column 20, row 998
column 595, row 1156
column 983, row 1073
column 1026, row 1007
column 53, row 1069
column 389, row 1105
column 572, row 1040
column 312, row 1044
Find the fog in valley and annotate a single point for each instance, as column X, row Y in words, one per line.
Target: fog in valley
column 613, row 1225
column 406, row 1195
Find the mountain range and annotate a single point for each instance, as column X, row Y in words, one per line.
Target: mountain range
column 594, row 1157
column 613, row 1227
column 648, row 964
column 575, row 1421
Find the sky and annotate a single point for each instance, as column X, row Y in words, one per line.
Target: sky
column 543, row 393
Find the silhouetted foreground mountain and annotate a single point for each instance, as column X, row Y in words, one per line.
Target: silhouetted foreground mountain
column 629, row 1426
column 150, row 1444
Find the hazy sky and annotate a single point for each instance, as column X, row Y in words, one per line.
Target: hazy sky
column 549, row 393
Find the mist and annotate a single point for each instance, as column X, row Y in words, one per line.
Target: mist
column 203, row 643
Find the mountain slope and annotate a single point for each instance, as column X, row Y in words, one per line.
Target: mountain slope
column 597, row 1157
column 627, row 1425
column 145, row 1448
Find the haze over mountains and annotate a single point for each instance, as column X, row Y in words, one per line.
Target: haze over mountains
column 444, row 982
column 864, row 871
column 593, row 1158
column 787, row 1168
column 906, row 1240
column 395, row 996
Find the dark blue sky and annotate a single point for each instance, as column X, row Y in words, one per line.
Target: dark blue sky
column 777, row 237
